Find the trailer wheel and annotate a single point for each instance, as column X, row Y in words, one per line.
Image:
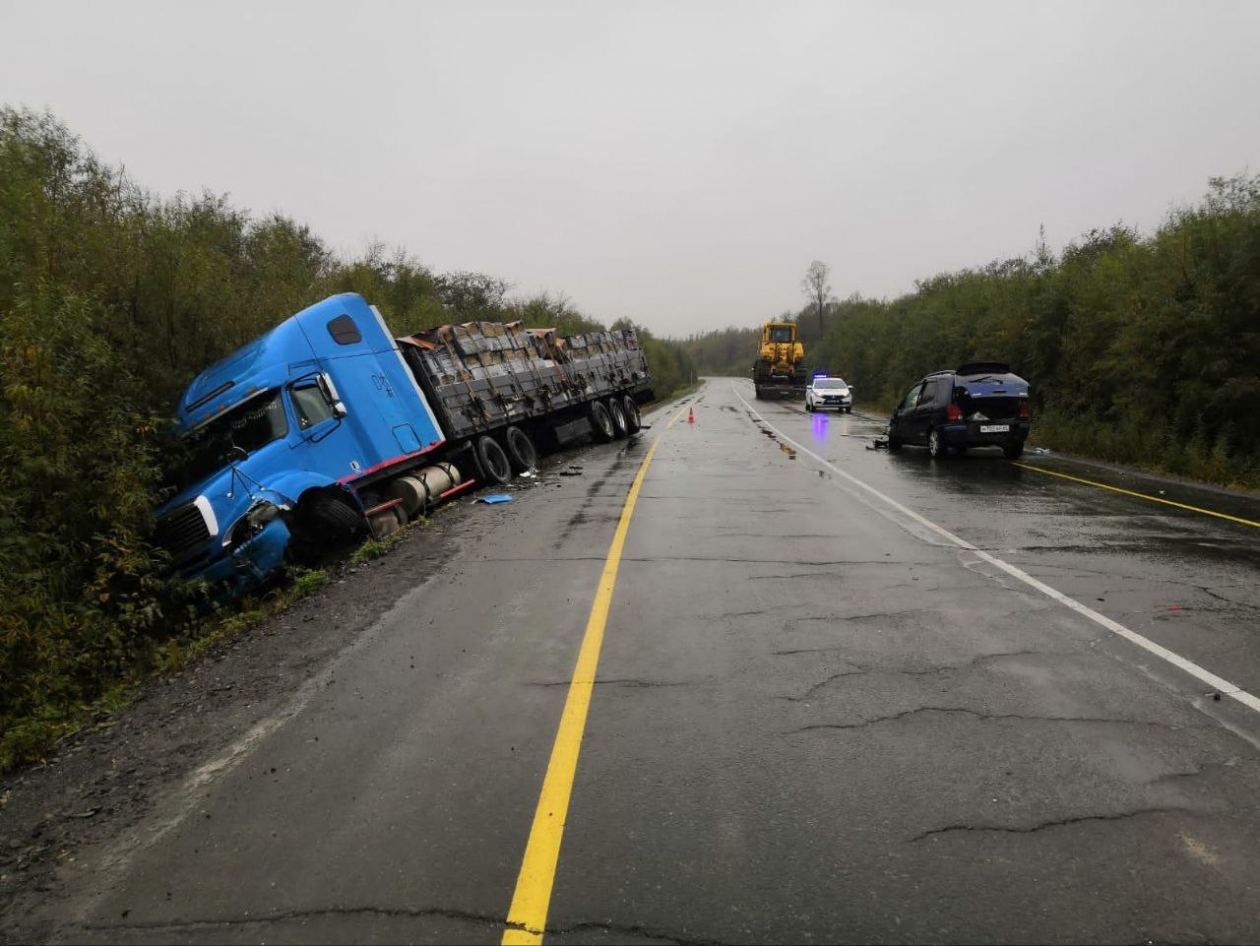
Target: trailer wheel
column 521, row 450
column 633, row 420
column 621, row 427
column 602, row 422
column 493, row 461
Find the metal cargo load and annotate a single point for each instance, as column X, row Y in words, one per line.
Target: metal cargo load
column 481, row 376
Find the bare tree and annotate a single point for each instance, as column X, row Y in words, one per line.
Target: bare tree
column 817, row 289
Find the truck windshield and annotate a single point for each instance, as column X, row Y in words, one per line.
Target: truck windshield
column 237, row 433
column 780, row 334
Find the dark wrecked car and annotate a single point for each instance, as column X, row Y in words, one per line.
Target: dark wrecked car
column 980, row 404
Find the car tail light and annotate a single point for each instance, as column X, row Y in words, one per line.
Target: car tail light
column 953, row 412
column 1024, row 411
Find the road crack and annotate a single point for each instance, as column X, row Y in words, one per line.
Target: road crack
column 1044, row 825
column 623, row 682
column 418, row 913
column 985, row 717
column 868, row 671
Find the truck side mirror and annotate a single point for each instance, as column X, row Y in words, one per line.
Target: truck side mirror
column 329, row 390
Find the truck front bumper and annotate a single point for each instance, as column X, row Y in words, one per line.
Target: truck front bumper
column 249, row 563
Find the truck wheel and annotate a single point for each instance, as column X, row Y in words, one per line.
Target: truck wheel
column 321, row 525
column 602, row 422
column 620, row 426
column 493, row 461
column 521, row 450
column 633, row 419
column 335, row 520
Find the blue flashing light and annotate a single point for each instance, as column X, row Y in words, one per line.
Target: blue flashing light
column 821, row 374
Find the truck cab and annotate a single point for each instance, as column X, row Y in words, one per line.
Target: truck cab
column 273, row 448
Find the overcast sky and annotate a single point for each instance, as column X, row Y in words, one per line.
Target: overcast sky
column 677, row 163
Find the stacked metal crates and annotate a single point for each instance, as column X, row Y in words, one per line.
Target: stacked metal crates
column 484, row 375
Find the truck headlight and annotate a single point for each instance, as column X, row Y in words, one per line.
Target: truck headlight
column 250, row 524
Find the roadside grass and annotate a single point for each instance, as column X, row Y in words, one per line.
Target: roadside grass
column 34, row 739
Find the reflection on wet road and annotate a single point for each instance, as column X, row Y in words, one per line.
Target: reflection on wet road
column 1185, row 579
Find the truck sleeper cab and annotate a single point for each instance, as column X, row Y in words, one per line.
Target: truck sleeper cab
column 327, row 427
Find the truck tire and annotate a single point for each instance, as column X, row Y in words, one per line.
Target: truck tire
column 634, row 422
column 493, row 462
column 322, row 525
column 335, row 520
column 601, row 422
column 621, row 427
column 521, row 450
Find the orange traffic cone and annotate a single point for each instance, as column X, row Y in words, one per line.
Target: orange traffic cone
column 691, row 416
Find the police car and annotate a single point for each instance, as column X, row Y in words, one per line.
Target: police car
column 826, row 392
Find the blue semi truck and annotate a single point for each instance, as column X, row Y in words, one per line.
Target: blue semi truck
column 328, row 427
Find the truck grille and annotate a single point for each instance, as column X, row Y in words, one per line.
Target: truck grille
column 182, row 531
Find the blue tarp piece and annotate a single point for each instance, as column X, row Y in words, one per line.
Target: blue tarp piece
column 495, row 498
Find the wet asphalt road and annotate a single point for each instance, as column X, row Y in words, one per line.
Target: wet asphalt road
column 815, row 719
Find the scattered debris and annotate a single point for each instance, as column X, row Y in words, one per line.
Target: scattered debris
column 1041, row 451
column 572, row 471
column 878, row 443
column 494, row 498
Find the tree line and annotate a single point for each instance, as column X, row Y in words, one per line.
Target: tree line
column 111, row 300
column 1139, row 348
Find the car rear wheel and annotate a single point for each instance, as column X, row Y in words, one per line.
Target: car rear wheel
column 936, row 446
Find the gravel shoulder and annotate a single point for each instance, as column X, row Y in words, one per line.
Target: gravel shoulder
column 108, row 777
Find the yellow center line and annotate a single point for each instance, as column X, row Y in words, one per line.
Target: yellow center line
column 1128, row 492
column 527, row 917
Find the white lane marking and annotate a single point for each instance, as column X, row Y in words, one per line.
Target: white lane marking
column 1199, row 673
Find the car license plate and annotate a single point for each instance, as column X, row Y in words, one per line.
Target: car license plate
column 995, row 428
